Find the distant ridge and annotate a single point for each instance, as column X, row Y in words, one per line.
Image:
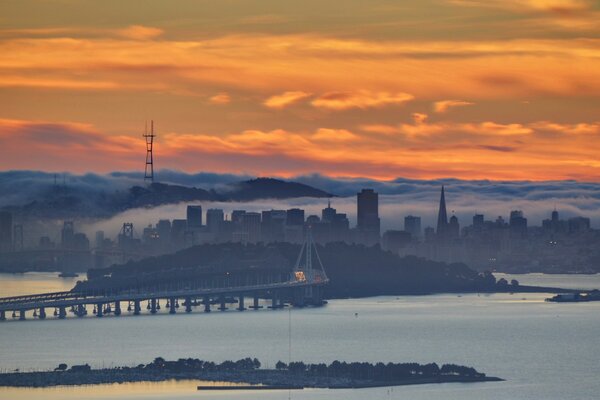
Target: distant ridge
column 72, row 202
column 272, row 188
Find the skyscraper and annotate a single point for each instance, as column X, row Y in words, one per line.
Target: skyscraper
column 6, row 227
column 412, row 225
column 214, row 219
column 194, row 216
column 442, row 222
column 368, row 223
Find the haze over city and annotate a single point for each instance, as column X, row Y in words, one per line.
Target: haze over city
column 314, row 200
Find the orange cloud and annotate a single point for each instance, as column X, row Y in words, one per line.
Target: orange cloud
column 140, row 32
column 359, row 99
column 463, row 150
column 220, row 98
column 443, row 105
column 285, row 99
column 333, row 135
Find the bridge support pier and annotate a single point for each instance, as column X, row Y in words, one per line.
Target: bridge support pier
column 241, row 303
column 99, row 311
column 153, row 306
column 206, row 302
column 255, row 305
column 42, row 314
column 136, row 307
column 274, row 300
column 2, row 315
column 172, row 305
column 81, row 310
column 222, row 307
column 188, row 304
column 62, row 313
column 117, row 308
column 22, row 315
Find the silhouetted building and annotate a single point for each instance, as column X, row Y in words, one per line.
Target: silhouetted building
column 6, row 227
column 478, row 222
column 273, row 225
column 294, row 216
column 368, row 223
column 178, row 228
column 412, row 225
column 442, row 220
column 328, row 214
column 518, row 224
column 236, row 216
column 67, row 235
column 395, row 240
column 453, row 228
column 214, row 220
column 579, row 224
column 194, row 216
column 251, row 226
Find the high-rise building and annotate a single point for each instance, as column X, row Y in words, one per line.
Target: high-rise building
column 273, row 225
column 328, row 214
column 194, row 216
column 442, row 221
column 236, row 216
column 6, row 227
column 453, row 228
column 251, row 226
column 368, row 223
column 214, row 220
column 412, row 225
column 67, row 235
column 517, row 224
column 478, row 222
column 294, row 217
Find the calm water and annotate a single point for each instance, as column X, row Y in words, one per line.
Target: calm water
column 544, row 350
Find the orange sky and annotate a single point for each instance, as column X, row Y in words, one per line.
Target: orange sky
column 443, row 88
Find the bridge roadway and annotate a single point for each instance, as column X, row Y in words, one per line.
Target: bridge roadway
column 297, row 291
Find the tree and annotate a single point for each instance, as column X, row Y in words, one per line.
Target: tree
column 280, row 366
column 61, row 367
column 514, row 282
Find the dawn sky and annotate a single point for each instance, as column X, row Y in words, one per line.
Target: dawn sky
column 436, row 88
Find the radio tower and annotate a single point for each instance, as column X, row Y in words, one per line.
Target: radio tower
column 149, row 171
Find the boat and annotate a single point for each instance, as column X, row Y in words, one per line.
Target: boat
column 68, row 275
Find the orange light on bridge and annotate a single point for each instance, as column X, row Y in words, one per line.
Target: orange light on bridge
column 300, row 276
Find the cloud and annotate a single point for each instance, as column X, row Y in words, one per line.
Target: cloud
column 360, row 99
column 285, row 99
column 383, row 72
column 220, row 98
column 334, row 135
column 443, row 105
column 470, row 150
column 563, row 14
column 140, row 32
column 419, row 118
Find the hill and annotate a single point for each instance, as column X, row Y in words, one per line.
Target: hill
column 62, row 201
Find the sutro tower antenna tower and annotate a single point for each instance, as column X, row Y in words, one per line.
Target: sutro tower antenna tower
column 149, row 171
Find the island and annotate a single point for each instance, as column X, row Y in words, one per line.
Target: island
column 247, row 374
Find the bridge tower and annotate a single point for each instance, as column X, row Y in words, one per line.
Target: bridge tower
column 18, row 237
column 149, row 170
column 307, row 270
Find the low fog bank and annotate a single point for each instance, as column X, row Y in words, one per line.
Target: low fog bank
column 398, row 198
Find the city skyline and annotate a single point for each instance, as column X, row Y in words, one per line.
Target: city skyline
column 482, row 91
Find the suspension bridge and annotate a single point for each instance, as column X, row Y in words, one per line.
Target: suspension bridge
column 273, row 287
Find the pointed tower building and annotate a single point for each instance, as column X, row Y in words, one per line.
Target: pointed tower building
column 442, row 223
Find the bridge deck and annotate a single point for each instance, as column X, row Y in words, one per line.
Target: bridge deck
column 67, row 299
